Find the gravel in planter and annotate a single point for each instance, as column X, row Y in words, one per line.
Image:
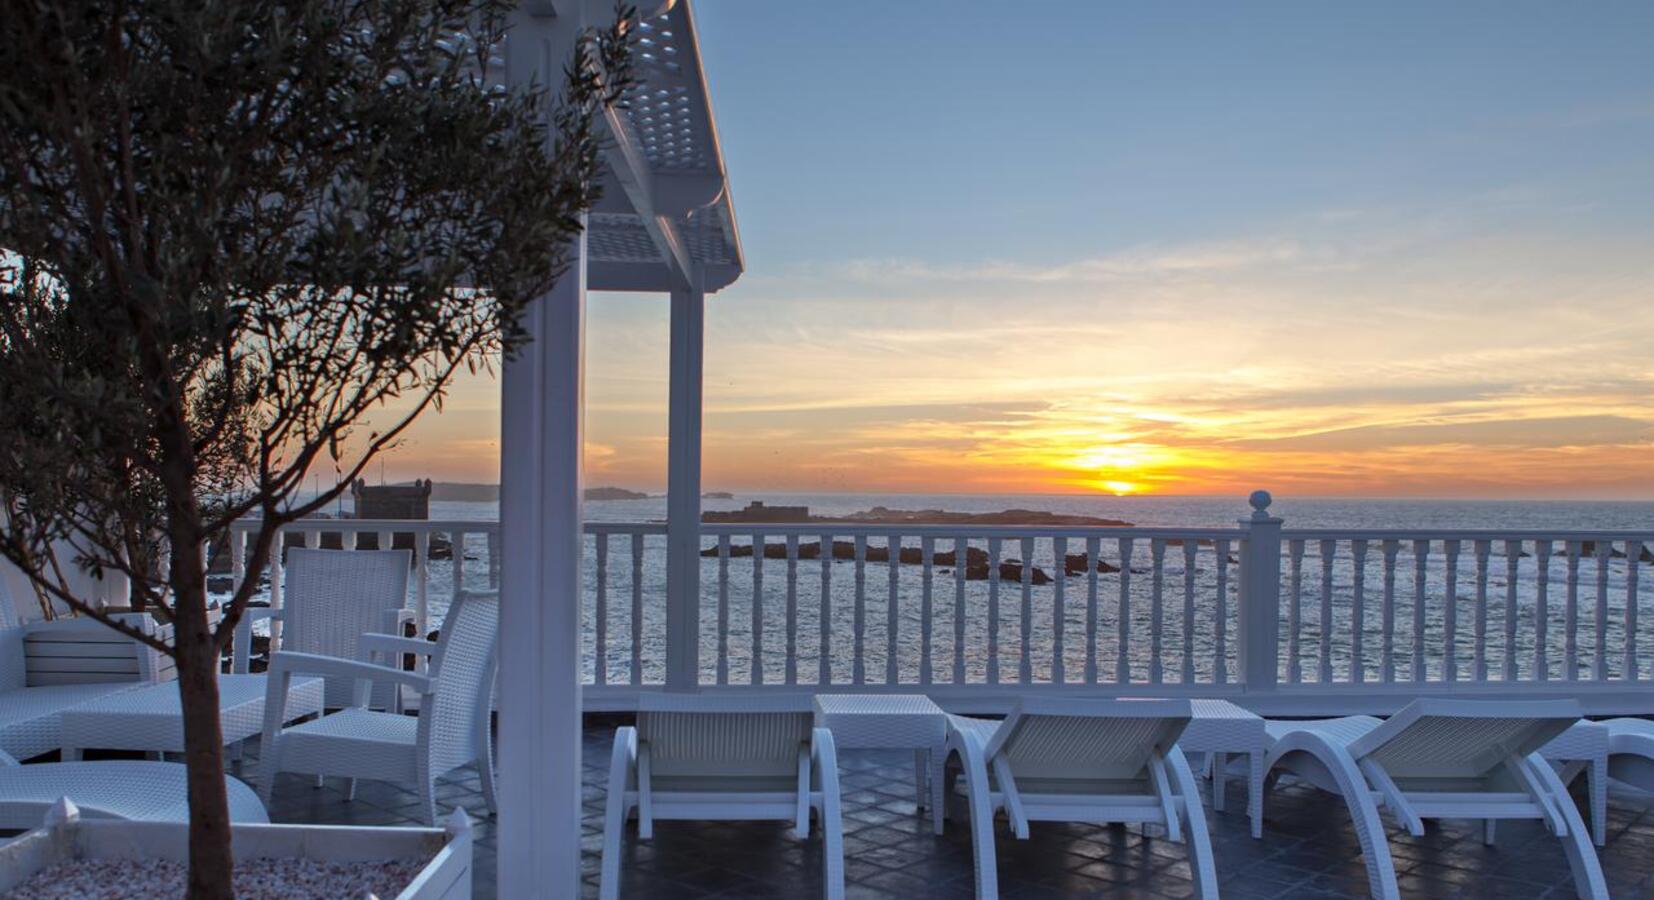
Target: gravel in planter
column 255, row 879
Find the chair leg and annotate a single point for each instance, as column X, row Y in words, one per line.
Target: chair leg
column 980, row 804
column 427, row 801
column 1254, row 792
column 350, row 789
column 1337, row 769
column 1201, row 862
column 1596, row 784
column 934, row 759
column 1220, row 765
column 1489, row 828
column 485, row 774
column 1582, row 857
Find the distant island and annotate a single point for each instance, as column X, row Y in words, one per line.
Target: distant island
column 717, row 495
column 614, row 493
column 880, row 515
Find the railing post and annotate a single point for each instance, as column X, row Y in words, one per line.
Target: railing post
column 1260, row 596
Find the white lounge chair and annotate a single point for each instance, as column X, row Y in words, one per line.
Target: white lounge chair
column 737, row 758
column 1440, row 759
column 330, row 599
column 112, row 789
column 1627, row 747
column 29, row 716
column 451, row 730
column 1092, row 761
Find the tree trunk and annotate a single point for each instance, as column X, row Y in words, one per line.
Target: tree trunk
column 210, row 859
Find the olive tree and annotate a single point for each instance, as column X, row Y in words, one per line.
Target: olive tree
column 241, row 242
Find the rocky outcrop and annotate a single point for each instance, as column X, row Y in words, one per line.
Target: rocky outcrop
column 976, row 559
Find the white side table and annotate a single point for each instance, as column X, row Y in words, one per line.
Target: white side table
column 1585, row 747
column 892, row 722
column 151, row 719
column 1221, row 728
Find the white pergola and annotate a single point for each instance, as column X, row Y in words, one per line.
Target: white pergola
column 665, row 224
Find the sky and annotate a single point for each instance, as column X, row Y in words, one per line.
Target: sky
column 1400, row 249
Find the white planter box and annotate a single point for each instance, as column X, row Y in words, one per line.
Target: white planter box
column 65, row 837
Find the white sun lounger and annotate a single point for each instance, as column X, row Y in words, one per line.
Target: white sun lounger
column 1440, row 759
column 112, row 789
column 723, row 757
column 1092, row 761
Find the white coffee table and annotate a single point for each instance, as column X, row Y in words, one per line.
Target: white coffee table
column 150, row 719
column 1221, row 728
column 893, row 722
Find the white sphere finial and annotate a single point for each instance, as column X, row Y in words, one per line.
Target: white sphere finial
column 1260, row 501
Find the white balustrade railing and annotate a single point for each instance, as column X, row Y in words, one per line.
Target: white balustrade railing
column 1251, row 610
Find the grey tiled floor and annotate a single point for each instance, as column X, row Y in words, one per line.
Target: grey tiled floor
column 1308, row 849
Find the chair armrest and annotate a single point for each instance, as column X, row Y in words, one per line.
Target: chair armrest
column 6, row 759
column 373, row 642
column 288, row 663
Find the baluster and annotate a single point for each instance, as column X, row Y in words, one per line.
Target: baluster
column 792, row 610
column 1600, row 664
column 1059, row 612
column 1484, row 549
column 825, row 675
column 1570, row 624
column 1387, row 665
column 1358, row 613
column 1157, row 556
column 859, row 663
column 277, row 595
column 758, row 548
column 457, row 554
column 1122, row 659
column 1220, row 666
column 637, row 608
column 1026, row 669
column 961, row 557
column 1633, row 553
column 351, row 541
column 1328, row 550
column 1092, row 562
column 1295, row 611
column 1542, row 611
column 600, row 613
column 1450, row 620
column 723, row 609
column 493, row 536
column 927, row 562
column 1513, row 559
column 895, row 545
column 993, row 610
column 238, row 574
column 422, row 578
column 1190, row 548
column 1421, row 562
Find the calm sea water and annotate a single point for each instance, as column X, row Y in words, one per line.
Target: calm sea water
column 1187, row 623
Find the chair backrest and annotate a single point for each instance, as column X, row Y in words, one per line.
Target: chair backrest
column 1071, row 738
column 724, row 735
column 13, row 666
column 464, row 665
column 332, row 597
column 1462, row 738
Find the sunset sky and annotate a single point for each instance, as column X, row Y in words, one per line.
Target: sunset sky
column 1356, row 250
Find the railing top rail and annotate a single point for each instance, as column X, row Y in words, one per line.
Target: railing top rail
column 881, row 529
column 1463, row 534
column 403, row 525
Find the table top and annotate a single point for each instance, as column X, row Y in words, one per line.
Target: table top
column 876, row 705
column 234, row 692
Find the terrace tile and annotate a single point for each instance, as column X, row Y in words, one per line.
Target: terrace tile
column 1308, row 849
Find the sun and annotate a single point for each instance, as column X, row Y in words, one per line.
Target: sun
column 1120, row 488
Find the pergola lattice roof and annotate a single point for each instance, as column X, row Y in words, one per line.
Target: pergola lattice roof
column 666, row 214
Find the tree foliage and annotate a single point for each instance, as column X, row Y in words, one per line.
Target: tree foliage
column 230, row 234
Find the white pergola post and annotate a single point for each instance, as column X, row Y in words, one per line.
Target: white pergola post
column 683, row 489
column 540, row 592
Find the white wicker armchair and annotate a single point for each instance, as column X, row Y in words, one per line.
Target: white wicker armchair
column 331, row 599
column 451, row 730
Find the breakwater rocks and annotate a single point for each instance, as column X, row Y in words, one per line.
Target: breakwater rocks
column 976, row 559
